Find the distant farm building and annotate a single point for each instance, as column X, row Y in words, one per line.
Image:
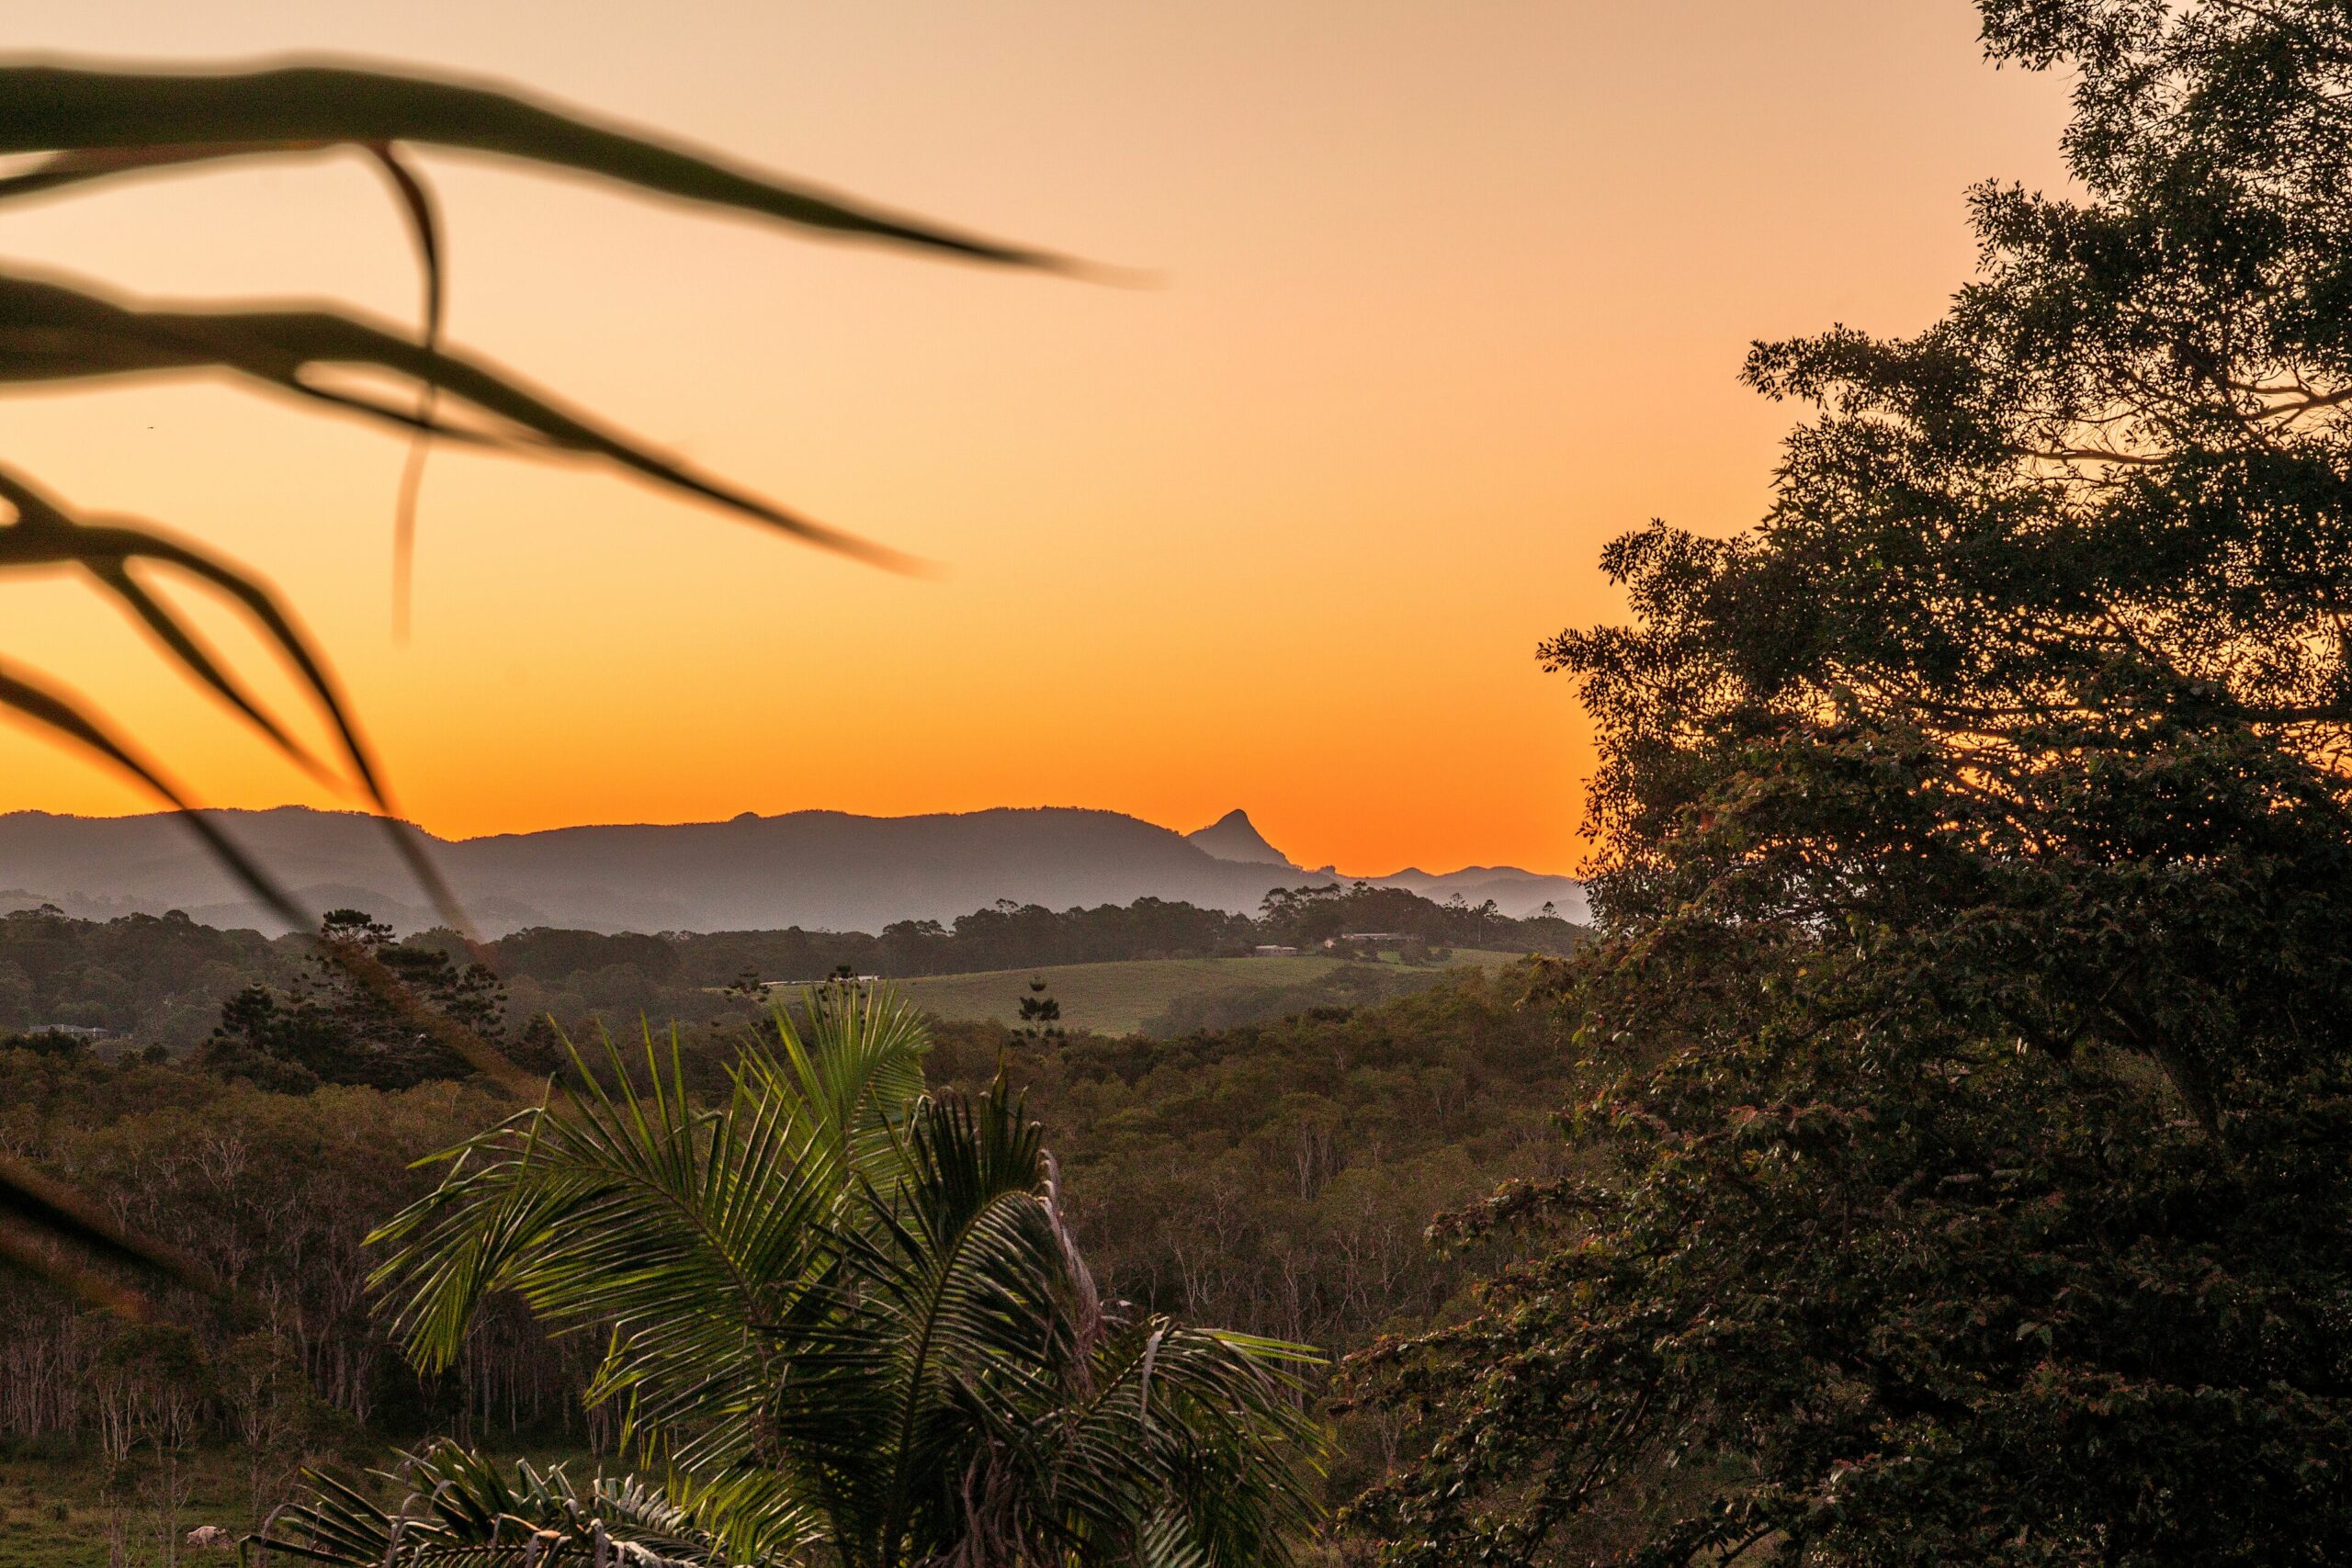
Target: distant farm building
column 1272, row 950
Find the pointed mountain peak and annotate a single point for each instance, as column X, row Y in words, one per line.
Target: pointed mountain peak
column 1235, row 838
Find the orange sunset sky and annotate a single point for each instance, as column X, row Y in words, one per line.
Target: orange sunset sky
column 1453, row 291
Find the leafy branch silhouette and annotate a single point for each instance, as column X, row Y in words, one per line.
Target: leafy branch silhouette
column 79, row 124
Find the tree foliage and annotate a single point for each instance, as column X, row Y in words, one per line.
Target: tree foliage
column 851, row 1320
column 163, row 976
column 278, row 1193
column 329, row 1029
column 1967, row 1048
column 1274, row 1178
column 165, row 980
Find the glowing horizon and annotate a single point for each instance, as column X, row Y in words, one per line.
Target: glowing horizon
column 1453, row 296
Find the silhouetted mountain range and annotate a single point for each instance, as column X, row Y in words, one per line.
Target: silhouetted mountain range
column 818, row 869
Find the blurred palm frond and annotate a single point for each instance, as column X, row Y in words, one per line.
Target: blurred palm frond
column 73, row 124
column 89, row 123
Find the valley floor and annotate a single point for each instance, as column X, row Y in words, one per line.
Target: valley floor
column 1122, row 998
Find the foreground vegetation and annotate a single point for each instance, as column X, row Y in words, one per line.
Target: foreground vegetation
column 1274, row 1178
column 850, row 1321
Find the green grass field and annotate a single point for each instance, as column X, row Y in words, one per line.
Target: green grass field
column 51, row 1515
column 1116, row 999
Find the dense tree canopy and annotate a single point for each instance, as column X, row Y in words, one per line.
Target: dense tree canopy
column 164, row 976
column 1969, row 1040
column 164, row 980
column 332, row 1029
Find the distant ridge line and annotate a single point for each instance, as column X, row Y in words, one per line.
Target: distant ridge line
column 816, row 869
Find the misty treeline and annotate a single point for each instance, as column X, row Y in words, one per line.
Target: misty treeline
column 1274, row 1178
column 158, row 978
column 164, row 980
column 574, row 974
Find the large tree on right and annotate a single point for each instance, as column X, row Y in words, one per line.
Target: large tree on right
column 1966, row 1162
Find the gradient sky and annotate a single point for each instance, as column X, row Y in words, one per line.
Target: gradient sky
column 1453, row 292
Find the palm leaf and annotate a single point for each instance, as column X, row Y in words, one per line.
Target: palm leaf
column 1168, row 1541
column 460, row 1509
column 424, row 231
column 1212, row 1422
column 859, row 1316
column 688, row 1235
column 855, row 1075
column 96, row 123
column 54, row 331
column 954, row 1266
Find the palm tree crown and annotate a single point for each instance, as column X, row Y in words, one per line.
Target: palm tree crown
column 850, row 1327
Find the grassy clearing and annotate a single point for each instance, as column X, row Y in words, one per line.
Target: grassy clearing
column 1115, row 999
column 52, row 1515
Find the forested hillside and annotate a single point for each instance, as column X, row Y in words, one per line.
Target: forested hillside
column 1274, row 1178
column 164, row 980
column 159, row 978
